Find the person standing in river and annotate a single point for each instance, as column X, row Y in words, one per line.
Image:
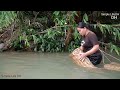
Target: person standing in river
column 89, row 44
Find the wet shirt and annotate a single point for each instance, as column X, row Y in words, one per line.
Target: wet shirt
column 89, row 41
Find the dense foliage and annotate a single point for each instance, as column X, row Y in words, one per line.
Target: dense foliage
column 47, row 31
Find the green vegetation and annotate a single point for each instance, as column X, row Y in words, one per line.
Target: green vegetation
column 47, row 31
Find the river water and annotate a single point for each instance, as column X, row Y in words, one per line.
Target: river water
column 30, row 65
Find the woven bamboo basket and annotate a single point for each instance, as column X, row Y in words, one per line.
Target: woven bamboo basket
column 75, row 55
column 112, row 66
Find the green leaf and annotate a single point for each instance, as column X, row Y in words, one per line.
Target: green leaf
column 85, row 18
column 117, row 51
column 101, row 28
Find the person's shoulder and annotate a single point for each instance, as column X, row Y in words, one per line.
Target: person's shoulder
column 91, row 34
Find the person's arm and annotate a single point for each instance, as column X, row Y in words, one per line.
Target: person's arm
column 93, row 50
column 93, row 39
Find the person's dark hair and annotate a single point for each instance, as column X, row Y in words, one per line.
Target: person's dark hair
column 82, row 25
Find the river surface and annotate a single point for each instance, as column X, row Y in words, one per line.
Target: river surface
column 30, row 65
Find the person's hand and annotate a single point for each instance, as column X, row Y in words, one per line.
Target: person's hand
column 82, row 56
